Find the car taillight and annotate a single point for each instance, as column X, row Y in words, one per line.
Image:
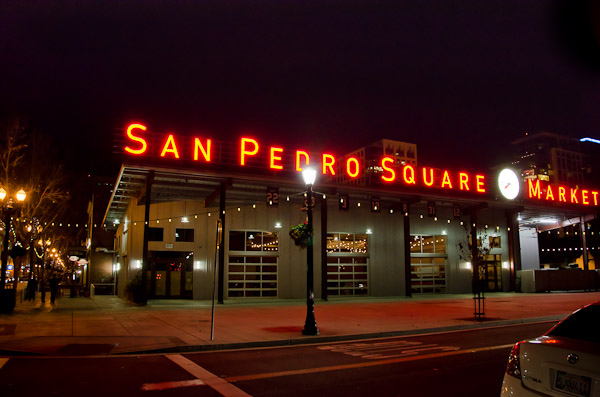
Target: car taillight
column 513, row 367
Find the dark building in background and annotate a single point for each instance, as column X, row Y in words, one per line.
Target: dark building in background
column 369, row 158
column 553, row 158
column 569, row 242
column 100, row 241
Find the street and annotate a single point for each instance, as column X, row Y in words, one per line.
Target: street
column 461, row 363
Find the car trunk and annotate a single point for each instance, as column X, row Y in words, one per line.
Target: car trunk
column 561, row 366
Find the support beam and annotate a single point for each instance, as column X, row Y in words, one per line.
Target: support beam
column 584, row 244
column 407, row 265
column 145, row 253
column 221, row 274
column 324, row 248
column 514, row 247
column 208, row 202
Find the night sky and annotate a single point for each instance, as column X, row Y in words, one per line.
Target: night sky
column 459, row 78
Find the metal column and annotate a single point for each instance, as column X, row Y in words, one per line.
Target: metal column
column 145, row 254
column 221, row 274
column 407, row 265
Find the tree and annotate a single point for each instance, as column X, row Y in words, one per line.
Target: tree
column 28, row 162
column 475, row 248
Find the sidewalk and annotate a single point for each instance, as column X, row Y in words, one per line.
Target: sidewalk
column 109, row 325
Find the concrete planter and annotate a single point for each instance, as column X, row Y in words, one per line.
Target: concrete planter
column 8, row 300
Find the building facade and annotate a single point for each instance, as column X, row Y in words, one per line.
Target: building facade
column 195, row 217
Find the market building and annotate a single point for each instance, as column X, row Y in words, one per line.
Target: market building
column 382, row 227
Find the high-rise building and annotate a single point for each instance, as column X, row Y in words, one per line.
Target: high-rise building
column 551, row 157
column 369, row 157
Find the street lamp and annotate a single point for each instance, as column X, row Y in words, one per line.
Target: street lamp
column 8, row 210
column 310, row 325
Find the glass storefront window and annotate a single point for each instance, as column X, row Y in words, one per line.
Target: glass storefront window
column 347, row 242
column 428, row 263
column 427, row 244
column 333, row 242
column 347, row 264
column 253, row 264
column 253, row 241
column 270, row 241
column 439, row 244
column 236, row 240
column 361, row 243
column 415, row 244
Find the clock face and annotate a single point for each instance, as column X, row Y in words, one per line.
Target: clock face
column 509, row 183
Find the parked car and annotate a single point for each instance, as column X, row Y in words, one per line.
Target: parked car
column 563, row 362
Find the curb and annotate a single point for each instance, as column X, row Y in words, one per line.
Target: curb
column 338, row 338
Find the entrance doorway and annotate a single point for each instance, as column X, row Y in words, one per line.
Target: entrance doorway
column 492, row 272
column 171, row 274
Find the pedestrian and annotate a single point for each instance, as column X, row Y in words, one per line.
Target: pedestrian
column 31, row 288
column 54, row 281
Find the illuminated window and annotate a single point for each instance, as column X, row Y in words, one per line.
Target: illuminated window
column 253, row 264
column 184, row 235
column 428, row 259
column 347, row 264
column 495, row 242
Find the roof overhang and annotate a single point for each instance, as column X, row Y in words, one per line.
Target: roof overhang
column 174, row 184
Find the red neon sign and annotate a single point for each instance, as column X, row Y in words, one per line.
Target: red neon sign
column 244, row 152
column 170, row 147
column 352, row 167
column 198, row 146
column 275, row 159
column 575, row 195
column 134, row 138
column 301, row 153
column 201, row 149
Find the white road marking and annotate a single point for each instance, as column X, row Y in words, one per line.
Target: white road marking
column 3, row 361
column 172, row 385
column 219, row 384
column 381, row 350
column 362, row 364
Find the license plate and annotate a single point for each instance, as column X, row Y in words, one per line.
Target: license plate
column 574, row 384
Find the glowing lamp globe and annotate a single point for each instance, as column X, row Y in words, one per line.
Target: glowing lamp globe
column 309, row 175
column 21, row 195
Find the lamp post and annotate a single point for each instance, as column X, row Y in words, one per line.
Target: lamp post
column 7, row 298
column 8, row 210
column 310, row 325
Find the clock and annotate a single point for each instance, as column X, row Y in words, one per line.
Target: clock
column 509, row 183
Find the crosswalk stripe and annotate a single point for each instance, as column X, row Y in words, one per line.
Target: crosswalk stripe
column 361, row 364
column 172, row 385
column 219, row 384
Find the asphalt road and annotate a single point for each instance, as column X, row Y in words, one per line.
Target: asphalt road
column 465, row 363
